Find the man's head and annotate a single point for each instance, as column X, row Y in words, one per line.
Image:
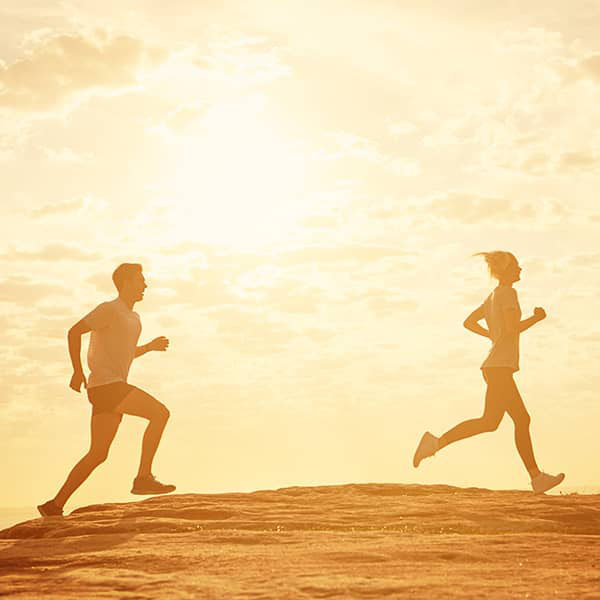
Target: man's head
column 129, row 280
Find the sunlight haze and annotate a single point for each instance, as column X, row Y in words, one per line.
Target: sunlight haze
column 305, row 185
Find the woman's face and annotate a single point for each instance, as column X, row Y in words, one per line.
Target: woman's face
column 513, row 271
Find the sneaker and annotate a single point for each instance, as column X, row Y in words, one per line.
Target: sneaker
column 428, row 446
column 150, row 485
column 543, row 482
column 49, row 509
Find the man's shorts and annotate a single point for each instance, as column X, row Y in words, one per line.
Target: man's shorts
column 105, row 398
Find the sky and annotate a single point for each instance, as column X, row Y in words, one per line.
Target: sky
column 305, row 184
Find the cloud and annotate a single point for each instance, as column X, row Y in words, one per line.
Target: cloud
column 168, row 321
column 320, row 222
column 343, row 145
column 179, row 119
column 288, row 295
column 586, row 68
column 56, row 67
column 319, row 336
column 593, row 338
column 540, row 162
column 470, row 209
column 25, row 291
column 102, row 282
column 66, row 155
column 205, row 288
column 334, row 254
column 295, row 299
column 185, row 248
column 590, row 66
column 401, row 128
column 251, row 332
column 59, row 208
column 386, row 305
column 385, row 302
column 573, row 70
column 51, row 252
column 579, row 161
column 588, row 260
column 244, row 61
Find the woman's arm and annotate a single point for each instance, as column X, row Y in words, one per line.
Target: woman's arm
column 539, row 314
column 513, row 325
column 472, row 322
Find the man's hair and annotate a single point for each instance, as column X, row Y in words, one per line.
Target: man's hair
column 124, row 272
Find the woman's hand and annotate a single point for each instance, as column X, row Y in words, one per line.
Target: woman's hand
column 472, row 322
column 539, row 313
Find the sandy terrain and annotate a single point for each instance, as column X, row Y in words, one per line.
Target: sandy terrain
column 352, row 541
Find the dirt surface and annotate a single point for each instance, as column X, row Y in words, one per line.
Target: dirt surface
column 350, row 541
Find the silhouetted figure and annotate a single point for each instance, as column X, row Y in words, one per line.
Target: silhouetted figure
column 502, row 315
column 113, row 345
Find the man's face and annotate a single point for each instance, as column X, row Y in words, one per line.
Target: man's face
column 137, row 285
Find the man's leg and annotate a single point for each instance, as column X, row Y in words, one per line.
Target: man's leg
column 103, row 429
column 140, row 404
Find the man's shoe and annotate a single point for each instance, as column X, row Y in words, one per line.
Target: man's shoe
column 49, row 509
column 149, row 485
column 543, row 482
column 428, row 446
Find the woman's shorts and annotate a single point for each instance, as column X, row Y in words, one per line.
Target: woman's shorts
column 496, row 374
column 105, row 398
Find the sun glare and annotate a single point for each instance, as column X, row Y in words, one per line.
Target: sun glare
column 238, row 181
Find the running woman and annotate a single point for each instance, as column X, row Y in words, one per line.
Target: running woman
column 502, row 314
column 113, row 345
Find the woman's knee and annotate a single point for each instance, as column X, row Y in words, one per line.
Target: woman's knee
column 522, row 421
column 489, row 423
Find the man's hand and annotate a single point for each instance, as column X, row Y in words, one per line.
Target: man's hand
column 160, row 344
column 76, row 380
column 539, row 313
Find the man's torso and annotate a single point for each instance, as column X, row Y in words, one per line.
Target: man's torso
column 115, row 333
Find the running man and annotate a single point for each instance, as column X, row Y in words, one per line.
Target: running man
column 502, row 315
column 113, row 345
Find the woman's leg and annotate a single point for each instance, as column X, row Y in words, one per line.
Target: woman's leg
column 492, row 414
column 516, row 409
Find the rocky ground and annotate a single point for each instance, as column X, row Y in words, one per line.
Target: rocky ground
column 350, row 541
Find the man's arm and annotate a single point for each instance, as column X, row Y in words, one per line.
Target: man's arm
column 74, row 338
column 472, row 322
column 159, row 344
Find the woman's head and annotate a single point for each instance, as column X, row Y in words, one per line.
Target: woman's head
column 502, row 265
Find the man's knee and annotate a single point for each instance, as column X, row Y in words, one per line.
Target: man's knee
column 162, row 413
column 97, row 456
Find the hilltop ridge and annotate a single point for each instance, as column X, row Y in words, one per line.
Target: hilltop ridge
column 355, row 540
